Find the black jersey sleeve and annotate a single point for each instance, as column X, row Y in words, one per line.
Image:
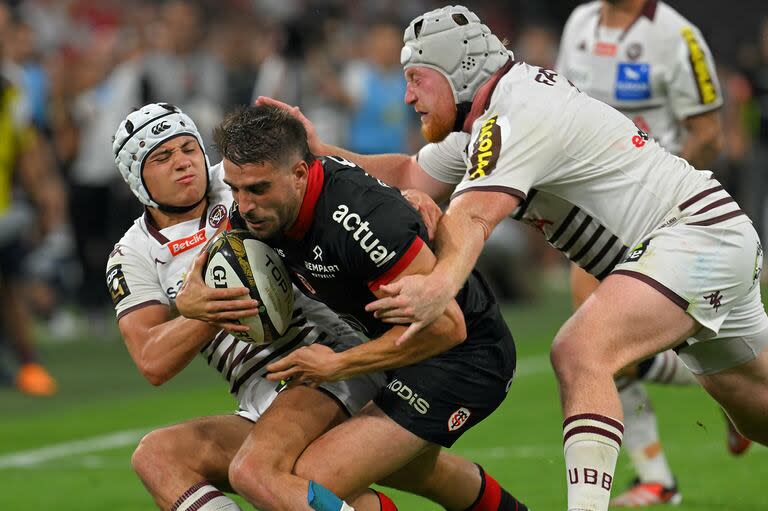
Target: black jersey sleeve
column 378, row 232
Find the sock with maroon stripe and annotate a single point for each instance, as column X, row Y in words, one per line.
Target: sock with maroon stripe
column 493, row 497
column 665, row 368
column 386, row 502
column 591, row 443
column 204, row 497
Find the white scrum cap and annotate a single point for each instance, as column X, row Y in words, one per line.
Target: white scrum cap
column 453, row 41
column 141, row 132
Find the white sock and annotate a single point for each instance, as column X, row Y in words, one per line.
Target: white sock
column 666, row 368
column 641, row 436
column 204, row 497
column 591, row 443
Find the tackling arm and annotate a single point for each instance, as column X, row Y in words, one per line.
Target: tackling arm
column 160, row 346
column 318, row 363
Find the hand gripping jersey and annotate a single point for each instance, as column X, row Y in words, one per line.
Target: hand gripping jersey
column 590, row 180
column 147, row 267
column 657, row 72
column 353, row 234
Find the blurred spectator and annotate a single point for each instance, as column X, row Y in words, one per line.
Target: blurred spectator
column 379, row 121
column 109, row 86
column 32, row 204
column 181, row 70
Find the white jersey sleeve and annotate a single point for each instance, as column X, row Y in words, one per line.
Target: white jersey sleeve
column 132, row 279
column 512, row 157
column 444, row 160
column 693, row 86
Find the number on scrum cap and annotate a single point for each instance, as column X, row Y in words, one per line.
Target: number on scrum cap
column 237, row 259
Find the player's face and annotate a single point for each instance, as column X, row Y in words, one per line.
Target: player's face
column 430, row 94
column 174, row 172
column 268, row 196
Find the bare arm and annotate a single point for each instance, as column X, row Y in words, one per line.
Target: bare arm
column 704, row 139
column 318, row 363
column 161, row 346
column 399, row 170
column 461, row 234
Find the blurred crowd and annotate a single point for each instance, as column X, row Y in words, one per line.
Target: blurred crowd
column 72, row 69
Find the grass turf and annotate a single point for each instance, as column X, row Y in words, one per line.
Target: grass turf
column 520, row 445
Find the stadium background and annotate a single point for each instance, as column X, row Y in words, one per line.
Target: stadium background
column 82, row 64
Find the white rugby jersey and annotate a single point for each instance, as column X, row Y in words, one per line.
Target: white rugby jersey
column 590, row 180
column 657, row 72
column 147, row 267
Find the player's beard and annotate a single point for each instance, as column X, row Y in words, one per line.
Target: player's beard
column 438, row 127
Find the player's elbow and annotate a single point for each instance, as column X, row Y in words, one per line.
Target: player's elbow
column 451, row 327
column 155, row 375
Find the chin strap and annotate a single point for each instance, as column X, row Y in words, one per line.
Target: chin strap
column 462, row 110
column 180, row 209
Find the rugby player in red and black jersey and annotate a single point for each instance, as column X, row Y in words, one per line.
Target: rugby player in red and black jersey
column 343, row 234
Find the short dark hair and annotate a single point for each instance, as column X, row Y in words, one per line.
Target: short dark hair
column 262, row 134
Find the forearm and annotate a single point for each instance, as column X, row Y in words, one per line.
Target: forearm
column 458, row 244
column 383, row 353
column 170, row 346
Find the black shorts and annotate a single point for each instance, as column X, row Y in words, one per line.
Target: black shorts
column 440, row 398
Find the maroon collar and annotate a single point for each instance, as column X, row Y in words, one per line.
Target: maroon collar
column 303, row 222
column 482, row 99
column 648, row 10
column 154, row 230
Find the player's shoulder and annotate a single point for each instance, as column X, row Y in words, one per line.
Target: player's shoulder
column 668, row 20
column 135, row 244
column 345, row 177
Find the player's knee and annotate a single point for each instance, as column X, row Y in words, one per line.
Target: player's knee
column 572, row 360
column 253, row 479
column 151, row 455
column 755, row 430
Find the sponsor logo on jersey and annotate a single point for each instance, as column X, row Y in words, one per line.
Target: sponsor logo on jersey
column 633, row 81
column 407, row 394
column 184, row 244
column 701, row 70
column 363, row 235
column 634, row 50
column 322, row 271
column 458, row 419
column 485, row 152
column 217, row 215
column 318, row 253
column 118, row 287
column 604, row 49
column 637, row 252
column 118, row 250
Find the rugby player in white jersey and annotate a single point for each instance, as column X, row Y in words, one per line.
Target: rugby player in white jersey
column 650, row 63
column 160, row 154
column 678, row 260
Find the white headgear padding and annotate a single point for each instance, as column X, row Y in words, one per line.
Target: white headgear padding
column 455, row 42
column 141, row 132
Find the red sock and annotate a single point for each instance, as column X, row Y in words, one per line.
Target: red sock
column 386, row 502
column 493, row 497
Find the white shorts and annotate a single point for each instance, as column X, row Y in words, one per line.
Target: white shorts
column 713, row 273
column 255, row 396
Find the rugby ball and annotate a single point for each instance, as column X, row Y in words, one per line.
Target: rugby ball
column 237, row 259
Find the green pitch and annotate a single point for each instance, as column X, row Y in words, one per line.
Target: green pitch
column 72, row 452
